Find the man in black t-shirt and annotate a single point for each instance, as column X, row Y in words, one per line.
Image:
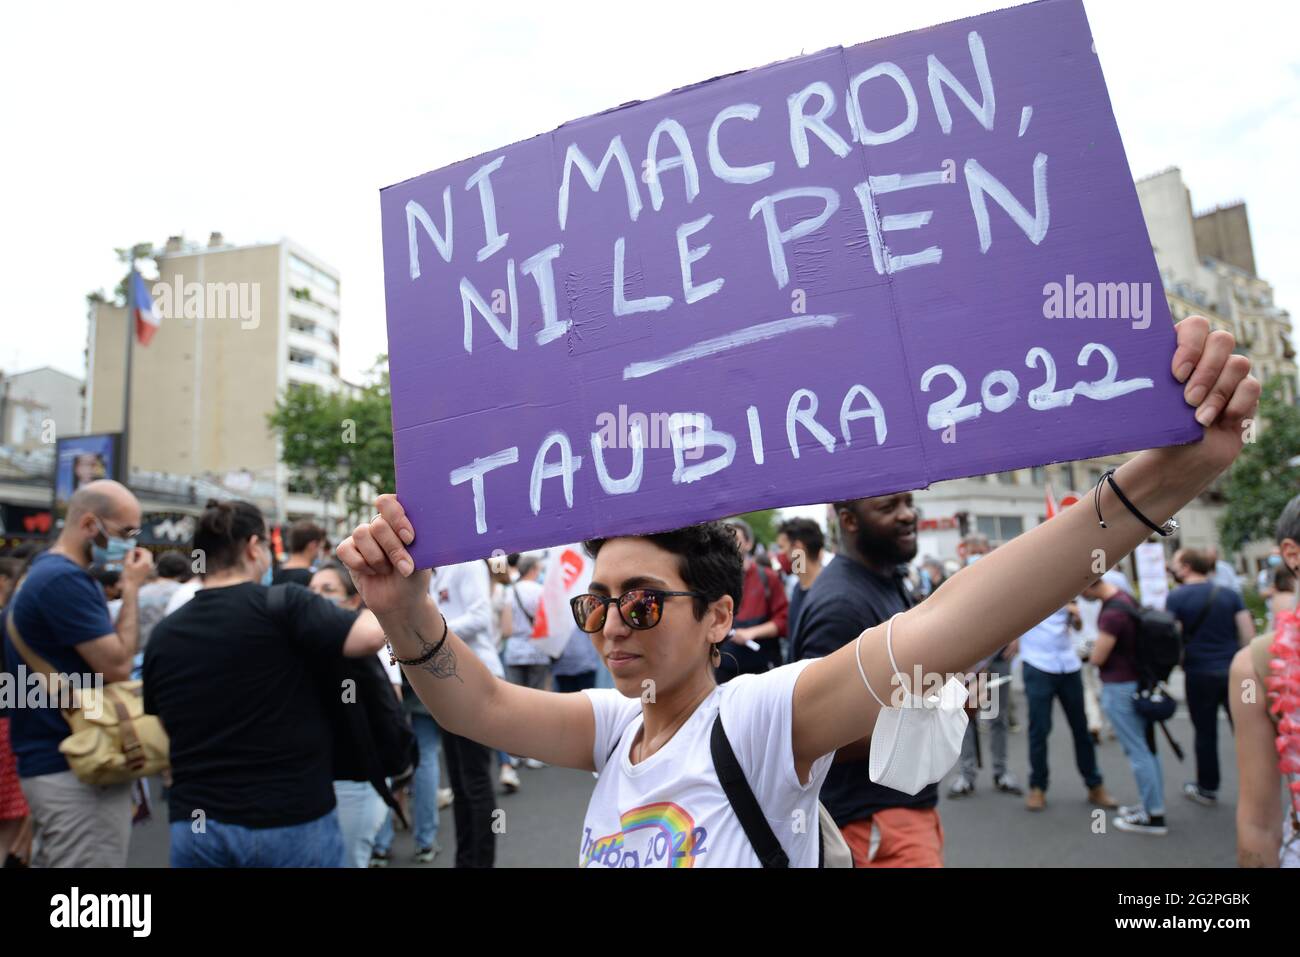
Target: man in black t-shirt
column 306, row 544
column 864, row 587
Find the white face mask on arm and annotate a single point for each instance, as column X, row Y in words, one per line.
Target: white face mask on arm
column 917, row 744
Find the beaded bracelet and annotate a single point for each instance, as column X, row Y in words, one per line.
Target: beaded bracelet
column 394, row 660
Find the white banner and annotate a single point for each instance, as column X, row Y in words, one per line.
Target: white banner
column 568, row 572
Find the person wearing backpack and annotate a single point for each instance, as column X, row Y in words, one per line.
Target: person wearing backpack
column 235, row 685
column 1115, row 653
column 1216, row 623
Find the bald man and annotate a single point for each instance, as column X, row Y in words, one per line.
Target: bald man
column 60, row 613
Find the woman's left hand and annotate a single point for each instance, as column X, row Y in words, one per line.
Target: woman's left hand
column 1219, row 385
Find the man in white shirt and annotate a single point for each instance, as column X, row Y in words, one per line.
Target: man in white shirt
column 464, row 596
column 1052, row 670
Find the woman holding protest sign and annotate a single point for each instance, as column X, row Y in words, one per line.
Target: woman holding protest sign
column 661, row 738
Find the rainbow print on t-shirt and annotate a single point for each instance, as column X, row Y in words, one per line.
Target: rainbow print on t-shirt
column 673, row 839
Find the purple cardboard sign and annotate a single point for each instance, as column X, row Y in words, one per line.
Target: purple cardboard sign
column 846, row 274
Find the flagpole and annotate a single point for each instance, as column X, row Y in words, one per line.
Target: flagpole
column 126, row 390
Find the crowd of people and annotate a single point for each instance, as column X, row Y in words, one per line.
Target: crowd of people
column 309, row 706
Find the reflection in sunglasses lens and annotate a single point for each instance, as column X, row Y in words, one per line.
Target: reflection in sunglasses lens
column 642, row 609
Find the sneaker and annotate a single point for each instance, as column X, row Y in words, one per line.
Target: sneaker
column 1194, row 792
column 961, row 786
column 445, row 797
column 1137, row 821
column 379, row 858
column 534, row 763
column 1101, row 797
column 1007, row 783
column 509, row 779
column 425, row 855
column 1036, row 800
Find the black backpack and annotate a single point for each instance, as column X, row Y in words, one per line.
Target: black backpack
column 1159, row 645
column 372, row 738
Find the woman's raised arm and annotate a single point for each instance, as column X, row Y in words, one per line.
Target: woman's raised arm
column 1015, row 587
column 460, row 692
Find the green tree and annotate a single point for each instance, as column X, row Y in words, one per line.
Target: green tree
column 1263, row 479
column 764, row 524
column 319, row 429
column 128, row 258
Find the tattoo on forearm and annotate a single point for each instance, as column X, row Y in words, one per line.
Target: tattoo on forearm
column 443, row 662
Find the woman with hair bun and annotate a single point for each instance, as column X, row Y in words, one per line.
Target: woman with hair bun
column 231, row 678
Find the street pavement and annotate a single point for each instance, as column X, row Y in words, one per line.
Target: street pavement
column 543, row 822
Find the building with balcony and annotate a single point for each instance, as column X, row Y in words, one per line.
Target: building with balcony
column 241, row 326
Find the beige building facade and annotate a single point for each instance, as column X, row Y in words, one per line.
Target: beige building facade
column 240, row 326
column 1207, row 266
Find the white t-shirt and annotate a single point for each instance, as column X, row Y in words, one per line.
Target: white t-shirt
column 523, row 597
column 670, row 810
column 181, row 595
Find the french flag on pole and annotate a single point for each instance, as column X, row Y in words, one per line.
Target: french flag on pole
column 147, row 315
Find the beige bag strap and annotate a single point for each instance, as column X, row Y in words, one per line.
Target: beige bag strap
column 131, row 746
column 34, row 661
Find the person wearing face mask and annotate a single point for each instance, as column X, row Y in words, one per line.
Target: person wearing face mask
column 60, row 612
column 762, row 617
column 1216, row 623
column 232, row 679
column 864, row 587
column 799, row 543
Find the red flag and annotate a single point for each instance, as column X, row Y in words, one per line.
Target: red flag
column 1051, row 502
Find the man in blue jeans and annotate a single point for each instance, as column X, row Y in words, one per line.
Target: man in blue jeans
column 1115, row 655
column 1052, row 671
column 1215, row 625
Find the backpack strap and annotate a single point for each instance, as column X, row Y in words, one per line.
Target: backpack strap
column 1205, row 611
column 277, row 601
column 54, row 682
column 741, row 797
column 520, row 602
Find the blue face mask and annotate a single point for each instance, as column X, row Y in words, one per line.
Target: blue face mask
column 268, row 575
column 972, row 559
column 114, row 553
column 1274, row 560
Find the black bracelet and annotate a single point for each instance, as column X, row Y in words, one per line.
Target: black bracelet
column 394, row 660
column 1167, row 529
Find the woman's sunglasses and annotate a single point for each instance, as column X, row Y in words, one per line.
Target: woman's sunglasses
column 640, row 608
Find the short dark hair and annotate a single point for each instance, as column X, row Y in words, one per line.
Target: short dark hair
column 11, row 568
column 1283, row 578
column 222, row 530
column 1288, row 525
column 108, row 577
column 302, row 533
column 806, row 532
column 174, row 565
column 1198, row 560
column 708, row 560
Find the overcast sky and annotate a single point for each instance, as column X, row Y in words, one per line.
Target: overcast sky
column 132, row 122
